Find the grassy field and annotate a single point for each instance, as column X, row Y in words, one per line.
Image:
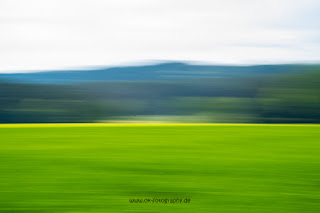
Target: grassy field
column 220, row 168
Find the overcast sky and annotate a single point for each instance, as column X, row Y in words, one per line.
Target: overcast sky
column 54, row 34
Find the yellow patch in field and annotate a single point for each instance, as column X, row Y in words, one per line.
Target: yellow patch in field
column 47, row 125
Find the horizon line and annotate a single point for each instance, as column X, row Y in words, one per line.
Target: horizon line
column 154, row 63
column 50, row 125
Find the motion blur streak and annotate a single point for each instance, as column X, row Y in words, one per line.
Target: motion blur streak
column 226, row 168
column 168, row 92
column 139, row 125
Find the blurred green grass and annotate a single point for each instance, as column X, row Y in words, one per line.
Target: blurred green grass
column 220, row 168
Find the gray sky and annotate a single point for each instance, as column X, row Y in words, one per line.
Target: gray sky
column 54, row 34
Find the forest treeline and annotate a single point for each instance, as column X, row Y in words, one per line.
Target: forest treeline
column 275, row 98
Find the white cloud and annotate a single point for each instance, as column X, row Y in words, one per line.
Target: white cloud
column 51, row 34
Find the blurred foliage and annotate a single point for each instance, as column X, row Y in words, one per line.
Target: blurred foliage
column 292, row 97
column 27, row 103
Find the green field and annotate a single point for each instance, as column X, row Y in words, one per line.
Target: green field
column 220, row 168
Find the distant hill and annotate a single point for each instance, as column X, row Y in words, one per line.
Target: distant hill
column 157, row 72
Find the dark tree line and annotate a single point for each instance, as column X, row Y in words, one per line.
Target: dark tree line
column 278, row 98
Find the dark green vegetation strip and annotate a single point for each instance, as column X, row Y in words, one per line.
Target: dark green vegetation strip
column 220, row 168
